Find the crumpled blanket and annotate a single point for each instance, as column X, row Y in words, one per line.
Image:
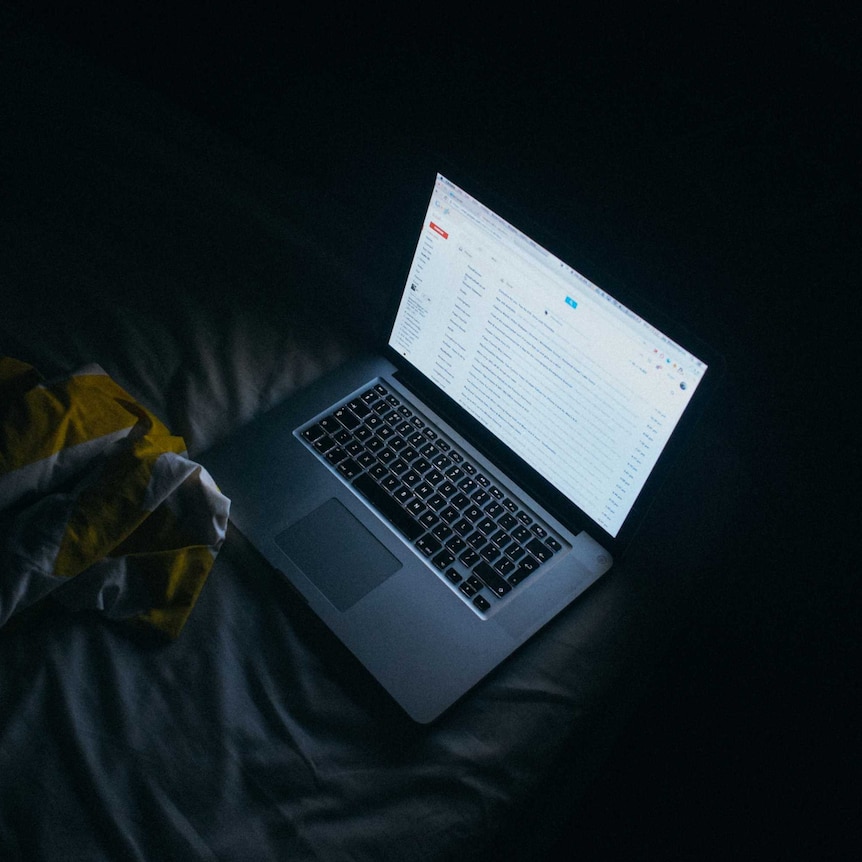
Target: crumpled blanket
column 99, row 505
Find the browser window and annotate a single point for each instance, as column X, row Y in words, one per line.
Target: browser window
column 576, row 384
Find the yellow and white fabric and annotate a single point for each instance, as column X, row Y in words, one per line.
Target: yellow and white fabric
column 99, row 504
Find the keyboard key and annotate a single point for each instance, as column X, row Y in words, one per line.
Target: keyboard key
column 463, row 527
column 529, row 564
column 423, row 490
column 444, row 559
column 520, row 534
column 402, row 494
column 428, row 545
column 540, row 550
column 334, row 456
column 495, row 510
column 347, row 418
column 481, row 602
column 330, row 424
column 507, row 521
column 474, row 513
column 497, row 585
column 515, row 552
column 437, row 501
column 349, row 468
column 365, row 459
column 378, row 471
column 490, row 552
column 468, row 486
column 477, row 540
column 416, row 508
column 456, row 544
column 324, row 443
column 469, row 589
column 450, row 514
column 501, row 539
column 519, row 575
column 312, row 433
column 442, row 531
column 387, row 506
column 486, row 525
column 359, row 407
column 460, row 501
column 504, row 566
column 469, row 558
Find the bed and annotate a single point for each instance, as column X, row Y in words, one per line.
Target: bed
column 193, row 272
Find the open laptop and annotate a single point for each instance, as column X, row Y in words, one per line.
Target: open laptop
column 439, row 503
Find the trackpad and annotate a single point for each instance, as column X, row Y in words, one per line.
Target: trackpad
column 337, row 554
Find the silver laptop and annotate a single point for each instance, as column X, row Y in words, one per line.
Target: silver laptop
column 436, row 505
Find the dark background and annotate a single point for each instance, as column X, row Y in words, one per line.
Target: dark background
column 710, row 159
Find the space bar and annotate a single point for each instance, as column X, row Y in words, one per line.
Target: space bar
column 387, row 506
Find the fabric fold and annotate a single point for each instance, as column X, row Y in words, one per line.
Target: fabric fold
column 100, row 505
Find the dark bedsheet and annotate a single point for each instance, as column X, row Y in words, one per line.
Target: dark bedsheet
column 133, row 236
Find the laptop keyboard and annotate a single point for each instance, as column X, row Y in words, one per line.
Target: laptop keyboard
column 482, row 539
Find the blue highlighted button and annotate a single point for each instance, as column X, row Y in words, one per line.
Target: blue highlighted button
column 570, row 301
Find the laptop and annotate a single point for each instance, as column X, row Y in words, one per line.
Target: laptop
column 438, row 503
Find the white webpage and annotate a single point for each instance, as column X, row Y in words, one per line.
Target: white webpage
column 577, row 385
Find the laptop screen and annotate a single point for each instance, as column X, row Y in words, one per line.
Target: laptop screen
column 573, row 382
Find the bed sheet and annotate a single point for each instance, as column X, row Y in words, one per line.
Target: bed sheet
column 195, row 273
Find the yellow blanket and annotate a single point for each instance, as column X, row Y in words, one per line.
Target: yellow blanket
column 99, row 505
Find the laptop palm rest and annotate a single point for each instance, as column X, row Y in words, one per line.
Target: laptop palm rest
column 337, row 554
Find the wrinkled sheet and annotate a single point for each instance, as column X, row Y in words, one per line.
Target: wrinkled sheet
column 191, row 271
